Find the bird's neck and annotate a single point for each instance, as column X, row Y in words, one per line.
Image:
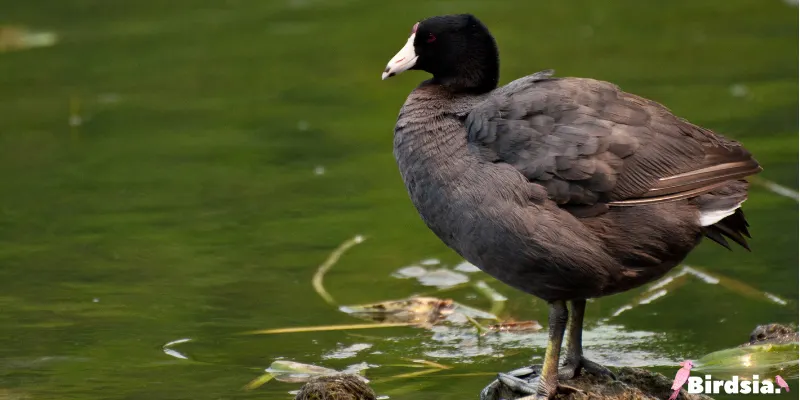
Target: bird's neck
column 430, row 141
column 472, row 75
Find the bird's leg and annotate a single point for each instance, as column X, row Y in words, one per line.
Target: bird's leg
column 539, row 384
column 574, row 360
column 548, row 381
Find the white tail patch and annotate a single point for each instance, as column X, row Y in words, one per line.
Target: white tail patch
column 711, row 217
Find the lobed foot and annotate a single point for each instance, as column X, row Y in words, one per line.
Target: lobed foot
column 523, row 383
column 572, row 369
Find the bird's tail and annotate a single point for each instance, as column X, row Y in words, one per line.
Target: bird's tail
column 674, row 394
column 723, row 218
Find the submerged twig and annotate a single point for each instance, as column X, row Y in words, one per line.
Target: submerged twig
column 675, row 280
column 734, row 285
column 482, row 330
column 258, row 382
column 327, row 328
column 436, row 367
column 443, row 290
column 468, row 374
column 316, row 281
column 498, row 300
column 775, row 188
column 429, row 363
column 408, row 375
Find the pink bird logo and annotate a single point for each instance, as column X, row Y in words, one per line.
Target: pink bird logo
column 680, row 378
column 782, row 383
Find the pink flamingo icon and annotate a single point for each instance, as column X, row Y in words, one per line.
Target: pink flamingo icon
column 782, row 383
column 680, row 378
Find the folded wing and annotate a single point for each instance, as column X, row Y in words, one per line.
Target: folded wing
column 589, row 143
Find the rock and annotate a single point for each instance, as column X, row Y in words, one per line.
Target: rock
column 336, row 387
column 635, row 383
column 772, row 334
column 631, row 384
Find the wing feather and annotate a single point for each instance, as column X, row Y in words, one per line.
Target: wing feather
column 588, row 142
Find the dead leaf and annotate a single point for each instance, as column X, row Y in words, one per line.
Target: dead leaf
column 516, row 326
column 414, row 310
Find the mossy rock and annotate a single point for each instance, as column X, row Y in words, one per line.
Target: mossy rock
column 336, row 387
column 631, row 384
column 638, row 383
column 773, row 334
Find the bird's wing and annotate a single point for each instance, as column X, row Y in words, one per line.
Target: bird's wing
column 589, row 143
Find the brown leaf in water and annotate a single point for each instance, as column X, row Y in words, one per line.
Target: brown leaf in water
column 415, row 310
column 516, row 326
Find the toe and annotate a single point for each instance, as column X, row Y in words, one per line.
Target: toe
column 566, row 389
column 563, row 389
column 567, row 372
column 596, row 369
column 571, row 370
column 516, row 384
column 525, row 372
column 524, row 383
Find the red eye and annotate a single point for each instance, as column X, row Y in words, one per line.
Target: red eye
column 431, row 38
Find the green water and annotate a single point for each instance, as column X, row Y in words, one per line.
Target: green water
column 185, row 203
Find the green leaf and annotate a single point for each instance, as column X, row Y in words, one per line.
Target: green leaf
column 764, row 360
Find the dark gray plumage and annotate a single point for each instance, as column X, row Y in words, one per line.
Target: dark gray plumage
column 564, row 188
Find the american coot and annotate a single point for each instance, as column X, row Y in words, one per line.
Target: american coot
column 564, row 188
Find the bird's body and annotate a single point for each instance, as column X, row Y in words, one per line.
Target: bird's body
column 510, row 226
column 564, row 188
